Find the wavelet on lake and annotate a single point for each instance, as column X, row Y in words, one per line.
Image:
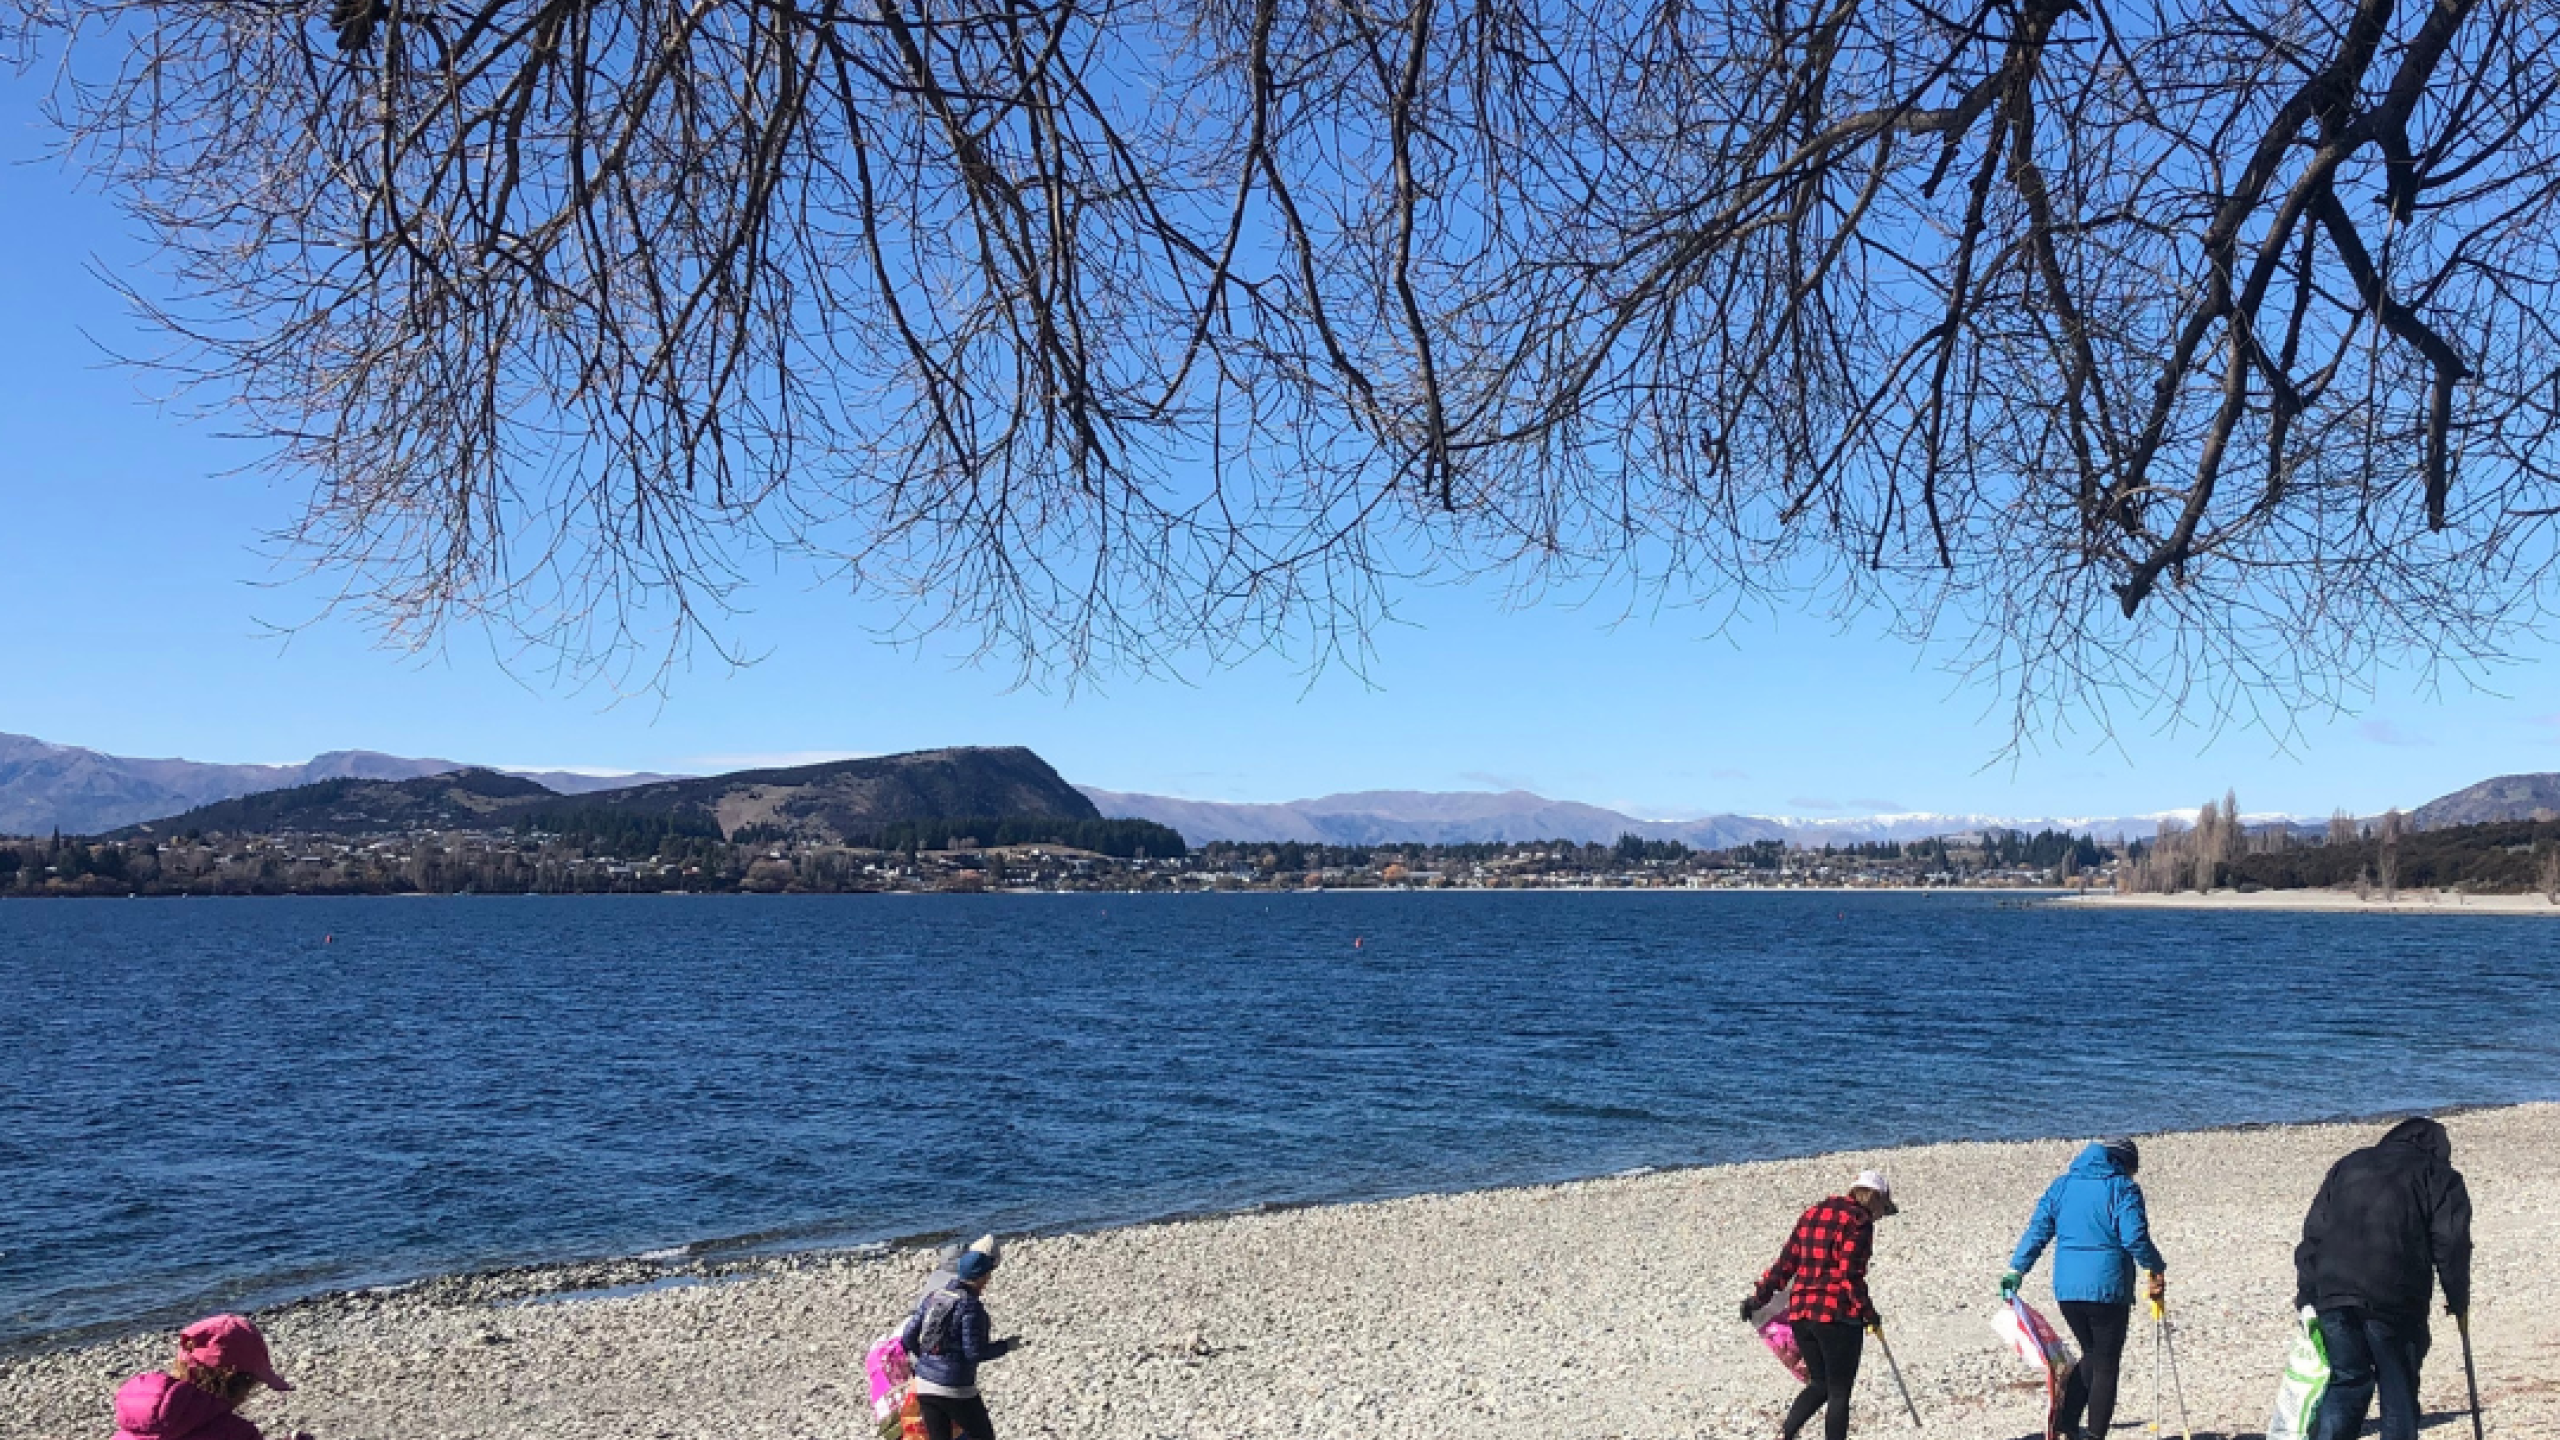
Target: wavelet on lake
column 201, row 1104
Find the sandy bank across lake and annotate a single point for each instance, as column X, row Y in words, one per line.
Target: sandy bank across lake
column 1600, row 1309
column 2408, row 902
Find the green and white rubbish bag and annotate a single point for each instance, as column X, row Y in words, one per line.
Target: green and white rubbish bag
column 2306, row 1379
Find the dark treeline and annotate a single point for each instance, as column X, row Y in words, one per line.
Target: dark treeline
column 626, row 834
column 1120, row 839
column 2045, row 848
column 2502, row 857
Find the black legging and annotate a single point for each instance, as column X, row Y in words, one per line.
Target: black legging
column 948, row 1419
column 2100, row 1328
column 1831, row 1354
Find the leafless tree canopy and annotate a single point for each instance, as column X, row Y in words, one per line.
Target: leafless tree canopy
column 2193, row 352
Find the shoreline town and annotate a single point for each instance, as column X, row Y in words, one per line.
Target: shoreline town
column 1599, row 1308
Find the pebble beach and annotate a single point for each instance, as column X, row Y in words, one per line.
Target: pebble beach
column 1602, row 1308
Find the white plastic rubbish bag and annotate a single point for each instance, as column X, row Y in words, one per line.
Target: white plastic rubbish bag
column 2306, row 1379
column 2035, row 1341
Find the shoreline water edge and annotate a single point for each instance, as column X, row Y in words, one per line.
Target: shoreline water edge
column 1598, row 1307
column 2304, row 900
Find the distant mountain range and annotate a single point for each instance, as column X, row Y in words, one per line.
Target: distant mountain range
column 1375, row 817
column 1372, row 817
column 44, row 787
column 47, row 786
column 844, row 800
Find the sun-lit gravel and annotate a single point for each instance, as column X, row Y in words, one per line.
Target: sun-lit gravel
column 1597, row 1309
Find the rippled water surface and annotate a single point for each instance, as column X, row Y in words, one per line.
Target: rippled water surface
column 233, row 1102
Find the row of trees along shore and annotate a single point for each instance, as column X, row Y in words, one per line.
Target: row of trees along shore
column 2375, row 857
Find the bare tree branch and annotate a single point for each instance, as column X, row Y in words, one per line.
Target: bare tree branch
column 2188, row 356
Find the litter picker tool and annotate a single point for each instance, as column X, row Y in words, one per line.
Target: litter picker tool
column 1896, row 1367
column 2157, row 1321
column 2177, row 1382
column 2470, row 1373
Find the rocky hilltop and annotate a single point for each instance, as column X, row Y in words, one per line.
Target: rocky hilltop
column 2509, row 797
column 848, row 800
column 842, row 802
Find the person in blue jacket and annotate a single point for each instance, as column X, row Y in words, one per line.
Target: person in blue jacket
column 2094, row 1218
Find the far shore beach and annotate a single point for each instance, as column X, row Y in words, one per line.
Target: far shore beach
column 1597, row 1309
column 2341, row 902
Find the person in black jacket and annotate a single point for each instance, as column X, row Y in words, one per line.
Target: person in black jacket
column 2391, row 1221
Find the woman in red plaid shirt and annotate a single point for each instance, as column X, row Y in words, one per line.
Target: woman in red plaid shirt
column 1828, row 1308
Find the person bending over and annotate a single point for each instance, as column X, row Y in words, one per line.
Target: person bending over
column 947, row 1340
column 1825, row 1260
column 2094, row 1218
column 222, row 1361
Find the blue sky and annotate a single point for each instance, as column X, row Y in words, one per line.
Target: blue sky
column 141, row 615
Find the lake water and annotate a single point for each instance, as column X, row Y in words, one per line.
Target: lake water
column 228, row 1103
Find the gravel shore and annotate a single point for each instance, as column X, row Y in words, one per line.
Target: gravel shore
column 1598, row 1309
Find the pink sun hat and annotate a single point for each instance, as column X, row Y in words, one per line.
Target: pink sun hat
column 230, row 1342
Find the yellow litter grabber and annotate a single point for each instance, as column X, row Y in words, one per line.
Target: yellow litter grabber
column 2153, row 1429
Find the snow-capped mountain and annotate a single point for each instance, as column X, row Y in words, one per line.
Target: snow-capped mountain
column 1374, row 817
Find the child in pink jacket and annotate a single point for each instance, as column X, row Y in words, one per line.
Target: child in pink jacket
column 221, row 1361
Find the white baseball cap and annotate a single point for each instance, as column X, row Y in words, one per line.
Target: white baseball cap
column 1874, row 1180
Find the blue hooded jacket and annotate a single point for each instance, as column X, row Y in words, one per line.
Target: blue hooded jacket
column 2094, row 1218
